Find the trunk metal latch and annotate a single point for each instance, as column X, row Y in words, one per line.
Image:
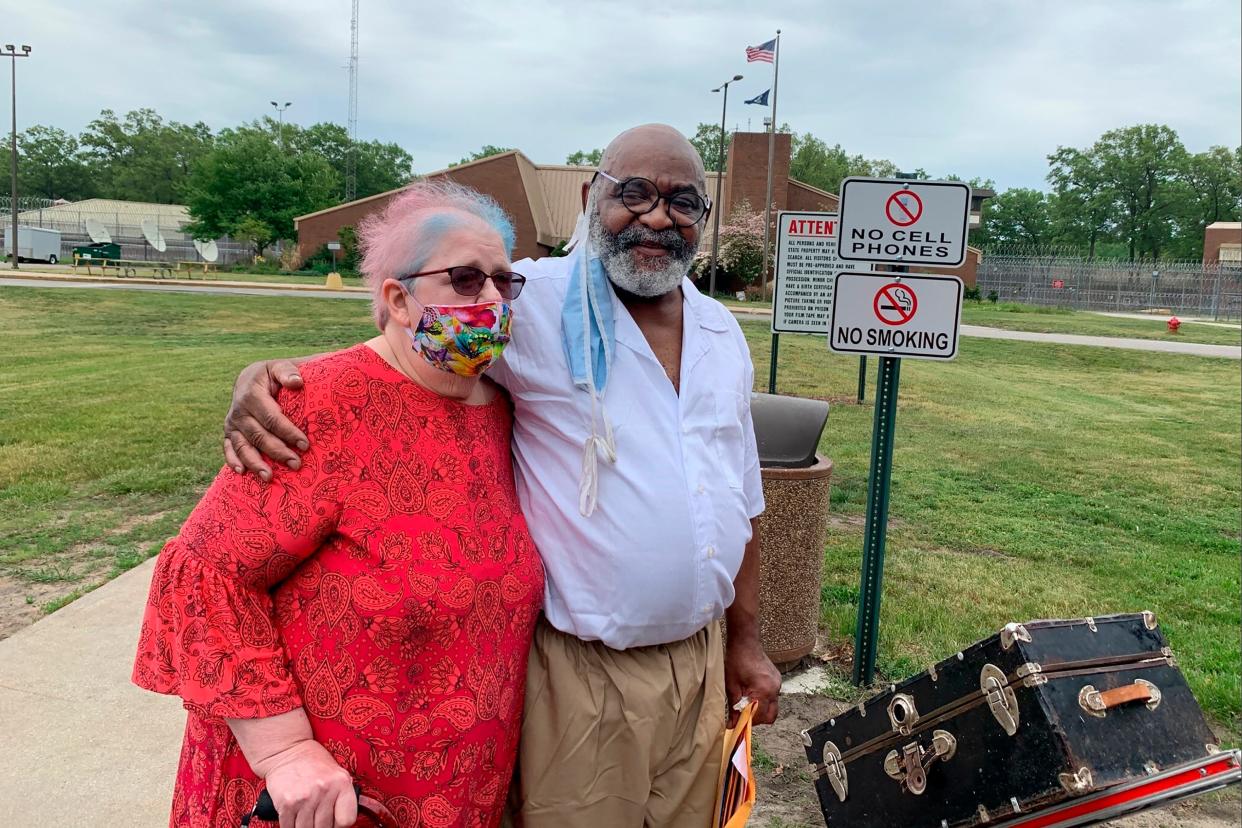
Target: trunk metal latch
column 1000, row 697
column 834, row 769
column 910, row 766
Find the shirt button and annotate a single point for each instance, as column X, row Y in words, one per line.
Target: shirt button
column 702, row 489
column 711, row 551
column 707, row 609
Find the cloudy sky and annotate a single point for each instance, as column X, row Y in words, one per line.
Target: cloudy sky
column 981, row 88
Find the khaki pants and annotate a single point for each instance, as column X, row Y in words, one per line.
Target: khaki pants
column 620, row 738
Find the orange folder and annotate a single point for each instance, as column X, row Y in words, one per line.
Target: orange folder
column 736, row 790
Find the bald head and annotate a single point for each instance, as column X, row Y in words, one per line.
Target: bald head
column 658, row 147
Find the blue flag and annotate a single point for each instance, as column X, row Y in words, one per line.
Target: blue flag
column 762, row 100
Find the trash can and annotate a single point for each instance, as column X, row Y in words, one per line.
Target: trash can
column 794, row 527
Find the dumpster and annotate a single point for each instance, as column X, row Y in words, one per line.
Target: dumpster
column 794, row 527
column 98, row 251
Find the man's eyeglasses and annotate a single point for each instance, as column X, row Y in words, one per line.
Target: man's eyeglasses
column 469, row 281
column 640, row 196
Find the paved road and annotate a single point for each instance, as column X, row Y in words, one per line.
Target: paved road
column 1194, row 348
column 1158, row 345
column 1198, row 320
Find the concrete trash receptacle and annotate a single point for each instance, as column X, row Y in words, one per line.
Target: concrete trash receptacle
column 794, row 527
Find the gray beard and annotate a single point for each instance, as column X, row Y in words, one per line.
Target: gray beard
column 624, row 271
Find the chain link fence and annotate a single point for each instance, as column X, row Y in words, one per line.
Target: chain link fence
column 126, row 230
column 1067, row 280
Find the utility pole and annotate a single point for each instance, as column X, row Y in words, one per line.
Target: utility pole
column 720, row 172
column 280, row 114
column 351, row 157
column 11, row 51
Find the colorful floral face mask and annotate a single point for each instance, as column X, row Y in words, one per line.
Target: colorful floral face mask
column 463, row 339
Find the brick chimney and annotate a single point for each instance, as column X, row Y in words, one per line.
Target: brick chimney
column 748, row 171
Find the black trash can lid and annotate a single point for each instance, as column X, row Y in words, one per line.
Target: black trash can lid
column 787, row 429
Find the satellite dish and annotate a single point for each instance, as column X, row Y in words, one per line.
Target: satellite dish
column 98, row 233
column 152, row 231
column 207, row 249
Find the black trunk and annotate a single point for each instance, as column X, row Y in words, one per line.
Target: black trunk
column 1034, row 715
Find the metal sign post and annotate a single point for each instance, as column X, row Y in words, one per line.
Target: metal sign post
column 867, row 631
column 893, row 315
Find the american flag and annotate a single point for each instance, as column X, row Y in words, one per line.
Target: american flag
column 765, row 53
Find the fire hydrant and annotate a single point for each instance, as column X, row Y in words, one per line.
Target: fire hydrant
column 1174, row 324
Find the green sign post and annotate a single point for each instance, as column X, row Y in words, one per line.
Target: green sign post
column 879, row 478
column 892, row 315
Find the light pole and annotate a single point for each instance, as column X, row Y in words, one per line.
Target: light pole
column 711, row 284
column 280, row 114
column 11, row 51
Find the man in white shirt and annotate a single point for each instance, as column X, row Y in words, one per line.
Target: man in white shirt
column 640, row 483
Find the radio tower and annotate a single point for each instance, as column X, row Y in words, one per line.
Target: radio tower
column 351, row 161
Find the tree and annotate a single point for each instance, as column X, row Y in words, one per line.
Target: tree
column 247, row 181
column 1142, row 167
column 486, row 151
column 741, row 247
column 706, row 141
column 813, row 162
column 51, row 165
column 1213, row 193
column 253, row 230
column 1020, row 216
column 585, row 158
column 1082, row 205
column 142, row 158
column 379, row 167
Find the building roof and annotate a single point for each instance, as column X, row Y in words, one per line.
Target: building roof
column 793, row 182
column 112, row 211
column 1225, row 225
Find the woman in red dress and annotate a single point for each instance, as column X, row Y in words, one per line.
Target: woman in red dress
column 364, row 617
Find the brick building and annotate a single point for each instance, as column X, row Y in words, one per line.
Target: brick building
column 1222, row 243
column 545, row 199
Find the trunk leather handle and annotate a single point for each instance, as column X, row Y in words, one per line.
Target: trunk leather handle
column 1099, row 702
column 1124, row 695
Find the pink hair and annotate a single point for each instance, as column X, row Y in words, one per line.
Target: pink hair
column 400, row 239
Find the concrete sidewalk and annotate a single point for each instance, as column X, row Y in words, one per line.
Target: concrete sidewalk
column 82, row 744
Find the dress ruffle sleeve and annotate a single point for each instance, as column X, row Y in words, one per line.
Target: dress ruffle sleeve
column 209, row 632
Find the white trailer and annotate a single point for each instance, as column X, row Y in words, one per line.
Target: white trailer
column 34, row 244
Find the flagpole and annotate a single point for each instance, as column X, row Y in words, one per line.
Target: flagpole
column 767, row 205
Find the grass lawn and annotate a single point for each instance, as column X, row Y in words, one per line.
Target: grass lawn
column 281, row 278
column 1036, row 481
column 1030, row 480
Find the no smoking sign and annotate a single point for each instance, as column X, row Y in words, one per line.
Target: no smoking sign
column 895, row 304
column 885, row 314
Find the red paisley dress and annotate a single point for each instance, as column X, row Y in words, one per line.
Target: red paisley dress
column 389, row 587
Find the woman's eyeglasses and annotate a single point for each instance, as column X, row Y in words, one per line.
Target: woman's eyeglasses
column 469, row 281
column 640, row 196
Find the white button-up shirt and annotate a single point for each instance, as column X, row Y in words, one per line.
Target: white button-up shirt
column 656, row 560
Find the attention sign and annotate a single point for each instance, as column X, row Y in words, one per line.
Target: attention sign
column 806, row 264
column 896, row 315
column 898, row 221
